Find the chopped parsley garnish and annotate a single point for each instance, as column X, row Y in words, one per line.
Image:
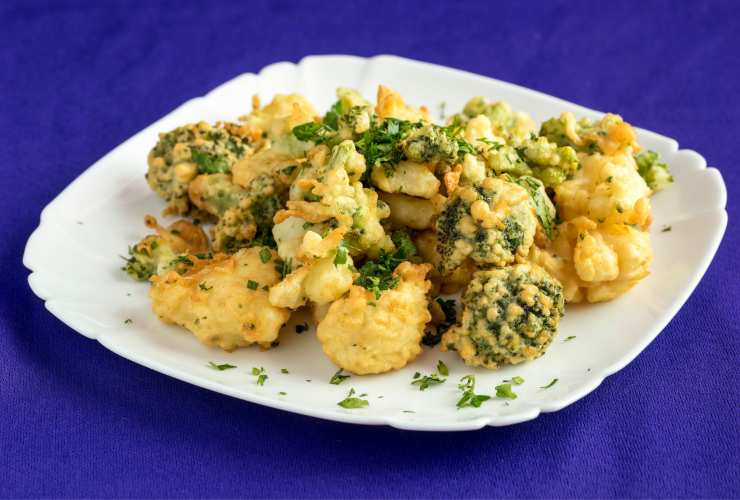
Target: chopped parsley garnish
column 504, row 391
column 282, row 393
column 377, row 275
column 542, row 205
column 284, row 370
column 252, row 285
column 265, row 255
column 569, row 338
column 300, row 328
column 515, row 380
column 338, row 377
column 284, row 267
column 203, row 286
column 427, row 381
column 469, row 397
column 381, row 143
column 553, row 382
column 260, row 374
column 222, row 367
column 128, row 321
column 442, row 368
column 340, row 258
column 352, row 402
column 665, row 229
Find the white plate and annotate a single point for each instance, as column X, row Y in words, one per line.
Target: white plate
column 75, row 264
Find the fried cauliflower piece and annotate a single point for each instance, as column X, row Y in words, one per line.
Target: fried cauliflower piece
column 183, row 153
column 328, row 190
column 224, row 301
column 322, row 269
column 595, row 262
column 492, row 223
column 365, row 335
column 156, row 253
column 415, row 179
column 274, row 122
column 409, row 211
column 607, row 189
column 390, row 104
column 510, row 315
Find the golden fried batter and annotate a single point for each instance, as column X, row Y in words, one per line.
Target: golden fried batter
column 223, row 301
column 366, row 335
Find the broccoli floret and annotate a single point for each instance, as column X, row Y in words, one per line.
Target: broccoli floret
column 181, row 154
column 148, row 257
column 655, row 172
column 431, row 144
column 492, row 223
column 510, row 315
column 609, row 135
column 535, row 157
column 250, row 222
column 510, row 125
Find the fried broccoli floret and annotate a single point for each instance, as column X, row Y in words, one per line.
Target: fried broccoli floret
column 250, row 222
column 610, row 135
column 492, row 223
column 510, row 315
column 431, row 144
column 216, row 193
column 161, row 252
column 655, row 172
column 537, row 157
column 507, row 124
column 180, row 155
column 148, row 257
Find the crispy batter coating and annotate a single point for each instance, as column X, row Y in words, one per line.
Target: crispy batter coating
column 509, row 316
column 595, row 262
column 155, row 253
column 364, row 335
column 606, row 189
column 492, row 223
column 181, row 154
column 223, row 301
column 322, row 269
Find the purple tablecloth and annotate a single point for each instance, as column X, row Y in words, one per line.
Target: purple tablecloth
column 76, row 79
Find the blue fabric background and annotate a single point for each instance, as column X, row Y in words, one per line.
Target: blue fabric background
column 78, row 78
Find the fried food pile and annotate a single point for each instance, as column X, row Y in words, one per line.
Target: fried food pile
column 368, row 215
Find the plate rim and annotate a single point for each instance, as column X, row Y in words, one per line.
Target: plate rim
column 529, row 413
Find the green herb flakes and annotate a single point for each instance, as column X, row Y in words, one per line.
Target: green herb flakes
column 221, row 367
column 338, row 377
column 351, row 402
column 553, row 382
column 260, row 374
column 469, row 398
column 504, row 391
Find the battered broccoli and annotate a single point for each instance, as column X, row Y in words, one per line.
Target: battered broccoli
column 655, row 172
column 535, row 156
column 180, row 155
column 250, row 222
column 609, row 135
column 158, row 253
column 510, row 315
column 148, row 257
column 492, row 223
column 510, row 125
